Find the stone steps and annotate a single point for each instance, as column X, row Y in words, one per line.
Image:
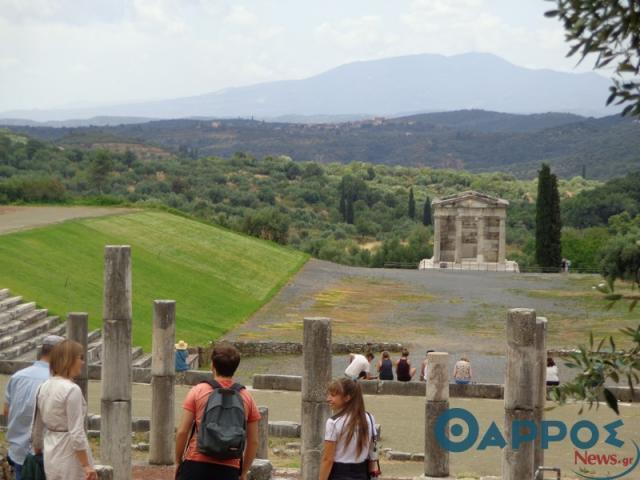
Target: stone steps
column 9, row 303
column 17, row 312
column 4, row 293
column 26, row 333
column 31, row 344
column 143, row 362
column 23, row 321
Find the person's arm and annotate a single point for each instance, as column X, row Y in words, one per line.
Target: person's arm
column 250, row 450
column 37, row 432
column 328, row 454
column 182, row 434
column 5, row 411
column 75, row 426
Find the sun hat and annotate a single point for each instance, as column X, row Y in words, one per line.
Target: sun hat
column 182, row 345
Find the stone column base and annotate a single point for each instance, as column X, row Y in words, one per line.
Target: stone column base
column 422, row 477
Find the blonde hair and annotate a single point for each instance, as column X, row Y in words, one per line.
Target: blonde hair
column 63, row 356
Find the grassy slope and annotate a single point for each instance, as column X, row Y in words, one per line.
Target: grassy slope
column 217, row 277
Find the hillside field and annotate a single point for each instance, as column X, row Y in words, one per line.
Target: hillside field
column 218, row 278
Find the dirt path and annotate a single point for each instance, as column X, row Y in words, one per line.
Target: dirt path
column 14, row 218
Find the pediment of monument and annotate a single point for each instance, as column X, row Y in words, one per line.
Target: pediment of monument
column 470, row 199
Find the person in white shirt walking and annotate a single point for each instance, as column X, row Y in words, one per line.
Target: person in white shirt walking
column 552, row 373
column 348, row 435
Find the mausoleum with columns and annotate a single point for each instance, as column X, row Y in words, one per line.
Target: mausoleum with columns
column 469, row 233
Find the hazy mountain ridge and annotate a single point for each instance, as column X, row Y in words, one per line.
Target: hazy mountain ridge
column 386, row 87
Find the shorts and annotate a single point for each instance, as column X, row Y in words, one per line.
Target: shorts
column 190, row 470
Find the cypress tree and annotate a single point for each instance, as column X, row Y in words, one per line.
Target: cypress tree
column 426, row 212
column 548, row 223
column 343, row 207
column 412, row 205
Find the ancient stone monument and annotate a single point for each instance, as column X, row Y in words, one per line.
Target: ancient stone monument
column 469, row 233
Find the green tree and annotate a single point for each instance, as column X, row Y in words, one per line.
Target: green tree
column 610, row 29
column 99, row 169
column 426, row 212
column 548, row 222
column 268, row 224
column 411, row 208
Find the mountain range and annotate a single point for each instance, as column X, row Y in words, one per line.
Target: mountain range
column 396, row 86
column 474, row 140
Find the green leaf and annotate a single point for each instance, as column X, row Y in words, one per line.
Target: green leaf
column 551, row 13
column 611, row 400
column 632, row 305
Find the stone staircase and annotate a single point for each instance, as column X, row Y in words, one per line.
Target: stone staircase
column 23, row 326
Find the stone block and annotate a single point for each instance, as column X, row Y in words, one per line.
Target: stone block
column 140, row 424
column 193, row 377
column 389, row 387
column 316, row 358
column 285, row 429
column 417, row 457
column 517, row 463
column 398, row 456
column 369, row 387
column 436, row 460
column 314, row 419
column 291, row 383
column 141, row 375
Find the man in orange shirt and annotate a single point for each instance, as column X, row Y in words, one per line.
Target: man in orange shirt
column 195, row 465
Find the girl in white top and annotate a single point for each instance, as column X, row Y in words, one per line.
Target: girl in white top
column 348, row 433
column 552, row 373
column 61, row 409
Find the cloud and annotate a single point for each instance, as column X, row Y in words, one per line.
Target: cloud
column 240, row 15
column 365, row 32
column 161, row 14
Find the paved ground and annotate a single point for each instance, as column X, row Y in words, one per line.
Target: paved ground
column 23, row 218
column 402, row 420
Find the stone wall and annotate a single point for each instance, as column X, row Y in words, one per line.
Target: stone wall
column 251, row 349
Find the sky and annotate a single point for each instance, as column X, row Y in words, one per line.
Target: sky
column 74, row 53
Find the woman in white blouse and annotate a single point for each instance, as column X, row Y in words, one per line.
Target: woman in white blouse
column 61, row 408
column 552, row 373
column 348, row 433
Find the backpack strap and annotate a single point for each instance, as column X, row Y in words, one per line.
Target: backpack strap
column 212, row 383
column 373, row 428
column 237, row 387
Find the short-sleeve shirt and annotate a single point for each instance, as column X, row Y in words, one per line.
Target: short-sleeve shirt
column 347, row 452
column 196, row 402
column 358, row 365
column 20, row 395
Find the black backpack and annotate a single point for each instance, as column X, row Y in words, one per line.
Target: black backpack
column 223, row 426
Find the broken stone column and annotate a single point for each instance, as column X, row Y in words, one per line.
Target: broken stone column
column 436, row 238
column 316, row 354
column 520, row 394
column 77, row 330
column 541, row 387
column 163, row 376
column 436, row 458
column 263, row 434
column 115, row 408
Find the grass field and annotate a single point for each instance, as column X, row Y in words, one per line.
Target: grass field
column 218, row 278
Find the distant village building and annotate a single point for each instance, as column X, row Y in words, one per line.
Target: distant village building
column 469, row 233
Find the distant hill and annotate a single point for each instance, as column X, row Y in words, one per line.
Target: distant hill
column 390, row 86
column 473, row 140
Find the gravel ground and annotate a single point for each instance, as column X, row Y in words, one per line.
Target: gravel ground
column 23, row 218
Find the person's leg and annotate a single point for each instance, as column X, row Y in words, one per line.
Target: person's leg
column 17, row 469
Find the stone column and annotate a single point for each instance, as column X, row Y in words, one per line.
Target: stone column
column 520, row 393
column 115, row 408
column 458, row 254
column 77, row 330
column 436, row 458
column 436, row 239
column 316, row 354
column 501, row 241
column 163, row 377
column 480, row 239
column 263, row 434
column 541, row 387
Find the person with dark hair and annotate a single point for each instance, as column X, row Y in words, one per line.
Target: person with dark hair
column 552, row 373
column 349, row 433
column 424, row 367
column 359, row 366
column 20, row 402
column 404, row 370
column 193, row 464
column 58, row 423
column 385, row 367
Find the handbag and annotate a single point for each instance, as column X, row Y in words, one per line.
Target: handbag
column 33, row 468
column 373, row 464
